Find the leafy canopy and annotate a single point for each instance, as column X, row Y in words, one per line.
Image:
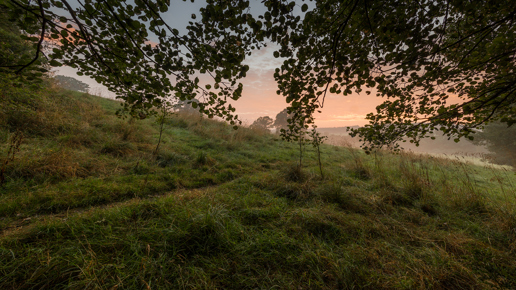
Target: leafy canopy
column 16, row 52
column 445, row 65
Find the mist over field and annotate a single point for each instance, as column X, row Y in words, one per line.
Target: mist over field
column 464, row 150
column 441, row 145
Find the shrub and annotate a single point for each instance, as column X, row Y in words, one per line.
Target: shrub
column 294, row 173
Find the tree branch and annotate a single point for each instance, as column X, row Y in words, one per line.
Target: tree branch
column 41, row 38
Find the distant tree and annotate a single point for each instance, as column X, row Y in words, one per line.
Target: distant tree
column 281, row 121
column 71, row 83
column 500, row 140
column 264, row 123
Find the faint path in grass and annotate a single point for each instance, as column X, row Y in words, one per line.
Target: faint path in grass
column 25, row 224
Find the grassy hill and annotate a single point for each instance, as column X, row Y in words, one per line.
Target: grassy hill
column 85, row 203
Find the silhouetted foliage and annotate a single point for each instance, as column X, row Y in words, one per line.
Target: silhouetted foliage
column 500, row 140
column 16, row 51
column 416, row 54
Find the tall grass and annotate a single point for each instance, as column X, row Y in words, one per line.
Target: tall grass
column 91, row 206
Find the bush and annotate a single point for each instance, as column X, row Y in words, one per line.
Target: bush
column 294, row 173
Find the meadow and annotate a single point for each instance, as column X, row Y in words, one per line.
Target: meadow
column 88, row 203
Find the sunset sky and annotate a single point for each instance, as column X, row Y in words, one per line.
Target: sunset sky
column 259, row 97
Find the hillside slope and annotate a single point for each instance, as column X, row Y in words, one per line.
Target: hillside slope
column 87, row 204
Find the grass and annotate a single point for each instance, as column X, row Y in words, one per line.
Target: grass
column 90, row 206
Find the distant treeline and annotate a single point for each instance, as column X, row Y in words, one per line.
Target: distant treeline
column 336, row 130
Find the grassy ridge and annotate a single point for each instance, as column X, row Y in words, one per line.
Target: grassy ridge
column 87, row 205
column 99, row 158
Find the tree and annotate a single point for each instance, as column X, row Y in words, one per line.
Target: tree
column 416, row 54
column 16, row 51
column 500, row 140
column 111, row 42
column 71, row 83
column 264, row 123
column 281, row 121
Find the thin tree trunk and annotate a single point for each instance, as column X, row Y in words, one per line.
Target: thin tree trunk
column 300, row 152
column 160, row 131
column 319, row 159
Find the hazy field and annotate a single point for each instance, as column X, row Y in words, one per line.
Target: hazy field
column 463, row 151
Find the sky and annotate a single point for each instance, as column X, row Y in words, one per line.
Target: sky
column 259, row 96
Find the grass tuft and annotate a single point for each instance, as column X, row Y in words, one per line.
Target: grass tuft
column 295, row 173
column 169, row 159
column 204, row 159
column 118, row 148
